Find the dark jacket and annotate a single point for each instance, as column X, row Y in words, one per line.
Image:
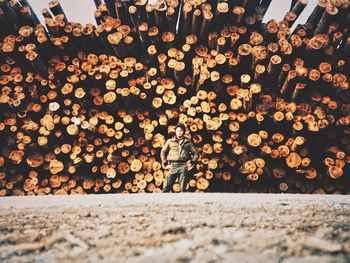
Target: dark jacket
column 171, row 151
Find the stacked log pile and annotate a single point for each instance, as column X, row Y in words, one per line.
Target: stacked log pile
column 86, row 109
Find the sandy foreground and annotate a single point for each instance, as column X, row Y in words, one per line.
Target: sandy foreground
column 186, row 227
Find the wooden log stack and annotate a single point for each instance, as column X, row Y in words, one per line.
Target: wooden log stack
column 86, row 109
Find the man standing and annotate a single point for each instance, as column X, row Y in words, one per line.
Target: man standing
column 175, row 155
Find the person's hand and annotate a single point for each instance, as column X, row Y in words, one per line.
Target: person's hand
column 168, row 166
column 188, row 165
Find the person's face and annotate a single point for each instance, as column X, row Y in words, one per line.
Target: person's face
column 179, row 132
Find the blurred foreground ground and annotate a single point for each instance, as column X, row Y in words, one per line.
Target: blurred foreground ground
column 154, row 228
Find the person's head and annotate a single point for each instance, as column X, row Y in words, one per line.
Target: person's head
column 180, row 131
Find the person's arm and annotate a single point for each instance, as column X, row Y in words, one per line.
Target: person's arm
column 164, row 153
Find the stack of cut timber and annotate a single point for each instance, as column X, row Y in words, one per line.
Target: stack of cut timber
column 86, row 109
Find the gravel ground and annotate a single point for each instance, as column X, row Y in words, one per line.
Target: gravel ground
column 175, row 228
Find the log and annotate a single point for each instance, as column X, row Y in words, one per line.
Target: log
column 327, row 18
column 56, row 9
column 299, row 6
column 317, row 12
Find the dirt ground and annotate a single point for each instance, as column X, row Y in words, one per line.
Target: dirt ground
column 175, row 228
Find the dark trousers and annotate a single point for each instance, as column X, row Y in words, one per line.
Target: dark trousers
column 177, row 170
